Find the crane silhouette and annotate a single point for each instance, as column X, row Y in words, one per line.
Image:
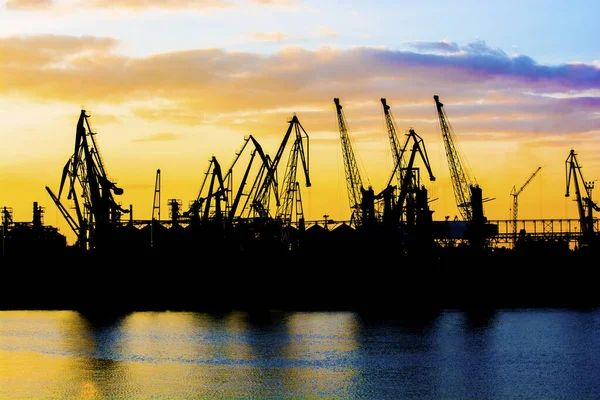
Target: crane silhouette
column 515, row 209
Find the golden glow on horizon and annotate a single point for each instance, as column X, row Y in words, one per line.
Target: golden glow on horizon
column 175, row 110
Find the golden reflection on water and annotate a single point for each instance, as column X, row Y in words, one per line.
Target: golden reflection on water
column 41, row 356
column 62, row 354
column 322, row 338
column 173, row 352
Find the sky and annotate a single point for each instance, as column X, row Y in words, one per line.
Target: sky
column 168, row 84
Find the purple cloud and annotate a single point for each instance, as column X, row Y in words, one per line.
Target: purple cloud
column 478, row 62
column 443, row 46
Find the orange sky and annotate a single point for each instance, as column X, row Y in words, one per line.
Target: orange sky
column 175, row 109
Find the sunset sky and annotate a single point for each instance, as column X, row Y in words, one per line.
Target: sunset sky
column 171, row 83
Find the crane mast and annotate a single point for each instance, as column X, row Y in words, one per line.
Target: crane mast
column 585, row 205
column 353, row 179
column 515, row 194
column 100, row 213
column 460, row 182
column 156, row 201
column 288, row 191
column 408, row 184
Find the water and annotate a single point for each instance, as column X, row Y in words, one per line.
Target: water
column 524, row 354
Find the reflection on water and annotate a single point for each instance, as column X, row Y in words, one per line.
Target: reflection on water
column 180, row 355
column 323, row 350
column 51, row 354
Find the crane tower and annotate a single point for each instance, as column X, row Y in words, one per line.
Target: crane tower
column 362, row 201
column 467, row 192
column 585, row 205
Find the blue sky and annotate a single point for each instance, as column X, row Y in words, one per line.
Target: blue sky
column 548, row 31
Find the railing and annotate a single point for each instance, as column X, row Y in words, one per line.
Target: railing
column 565, row 229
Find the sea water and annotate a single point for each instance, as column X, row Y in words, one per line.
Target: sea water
column 501, row 354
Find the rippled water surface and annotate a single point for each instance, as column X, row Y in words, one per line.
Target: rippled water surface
column 525, row 354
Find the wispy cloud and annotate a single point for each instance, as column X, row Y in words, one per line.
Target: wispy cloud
column 140, row 5
column 158, row 137
column 268, row 36
column 278, row 3
column 150, row 4
column 29, row 4
column 328, row 33
column 442, row 46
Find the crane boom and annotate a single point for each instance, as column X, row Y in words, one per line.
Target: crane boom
column 353, row 178
column 460, row 182
column 397, row 149
column 515, row 194
column 260, row 204
column 252, row 193
column 70, row 221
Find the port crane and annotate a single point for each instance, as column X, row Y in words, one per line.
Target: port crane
column 290, row 194
column 215, row 201
column 411, row 178
column 467, row 192
column 232, row 209
column 362, row 201
column 515, row 209
column 585, row 205
column 97, row 211
column 406, row 175
column 200, row 208
column 268, row 182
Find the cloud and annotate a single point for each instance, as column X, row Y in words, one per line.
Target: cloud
column 149, row 4
column 328, row 33
column 278, row 3
column 28, row 4
column 443, row 46
column 253, row 92
column 140, row 5
column 268, row 37
column 68, row 64
column 158, row 137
